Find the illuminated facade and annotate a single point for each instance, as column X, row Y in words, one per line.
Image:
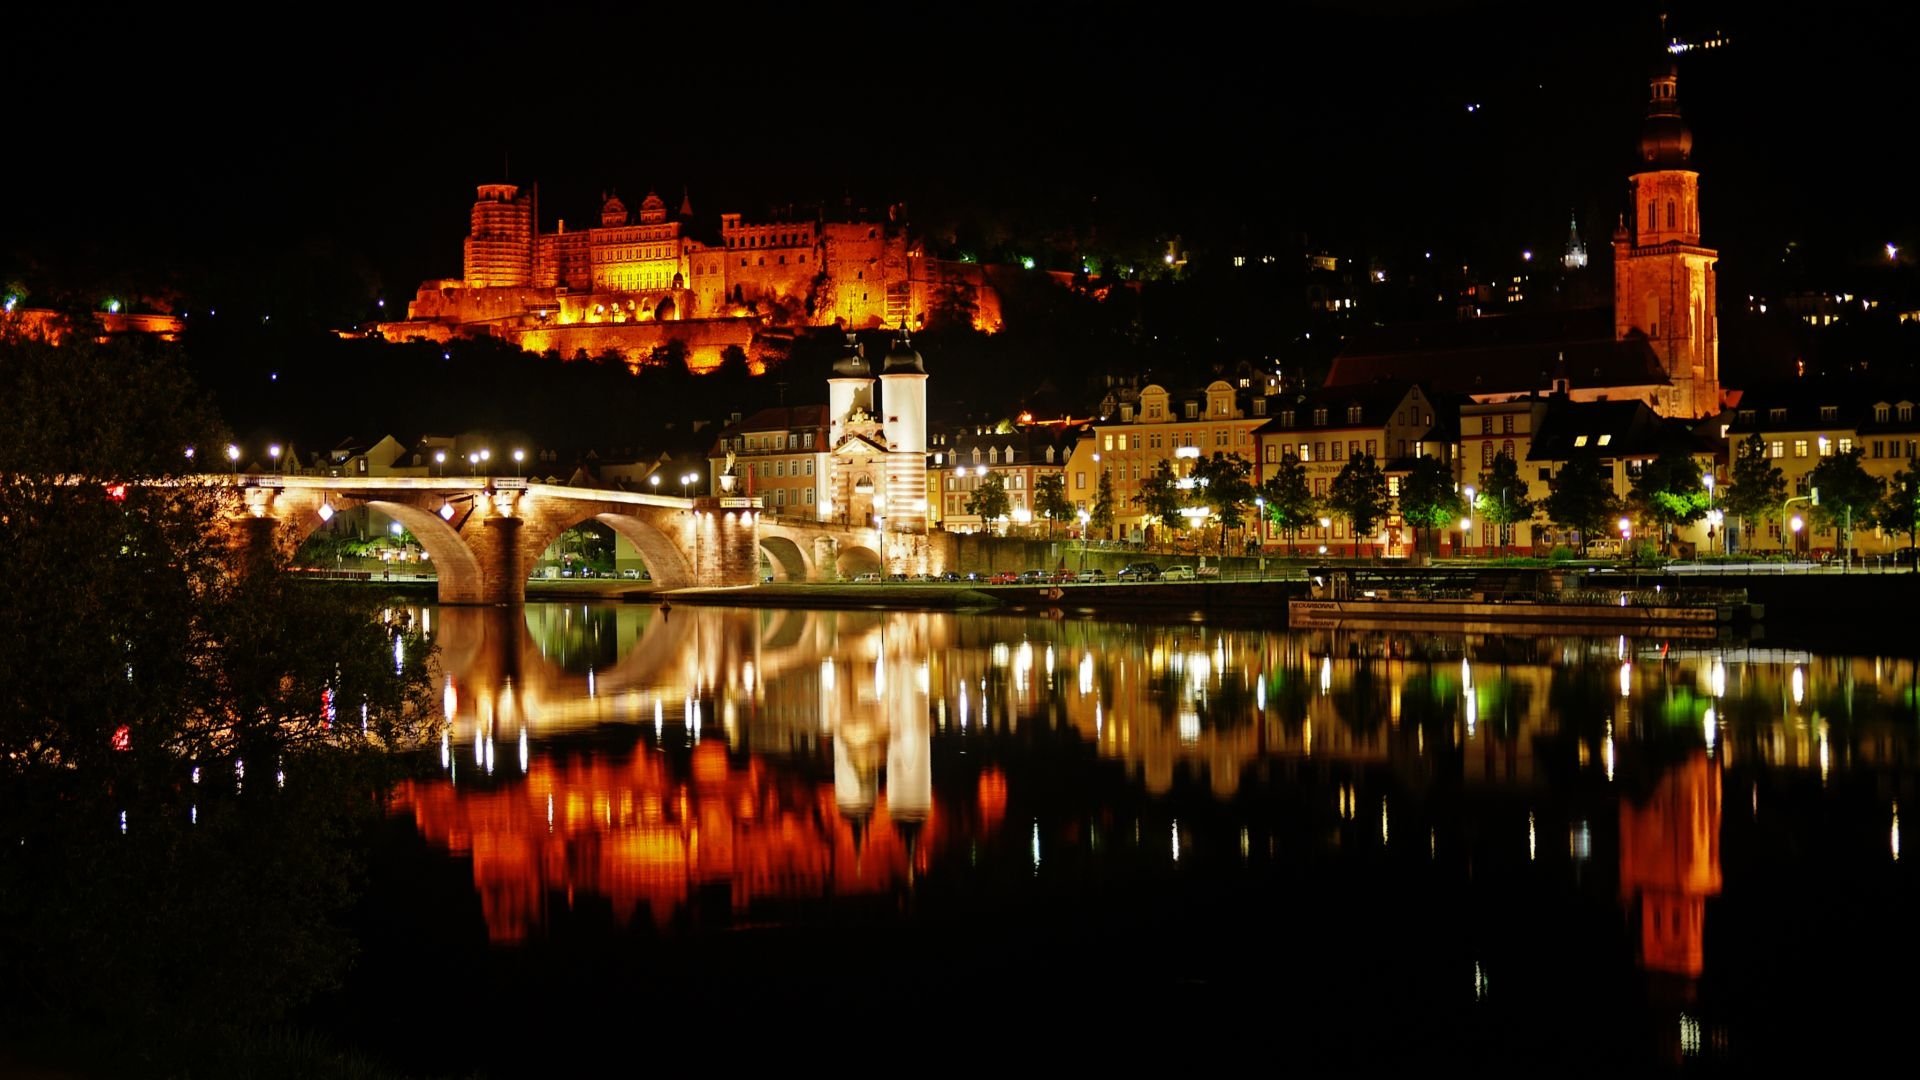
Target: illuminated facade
column 1160, row 426
column 1805, row 426
column 1396, row 425
column 620, row 285
column 1021, row 458
column 780, row 456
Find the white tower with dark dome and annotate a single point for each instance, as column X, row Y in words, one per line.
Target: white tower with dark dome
column 903, row 382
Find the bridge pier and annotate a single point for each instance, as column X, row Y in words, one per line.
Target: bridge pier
column 503, row 576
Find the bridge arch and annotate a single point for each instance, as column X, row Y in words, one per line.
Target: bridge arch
column 454, row 563
column 667, row 564
column 855, row 559
column 788, row 560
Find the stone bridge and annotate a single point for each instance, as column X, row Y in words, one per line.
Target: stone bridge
column 801, row 550
column 484, row 535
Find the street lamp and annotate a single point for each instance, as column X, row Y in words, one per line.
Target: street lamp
column 1713, row 516
column 518, row 457
column 654, row 482
column 273, row 452
column 1466, row 531
column 1796, row 524
column 440, row 459
column 473, row 464
column 233, row 455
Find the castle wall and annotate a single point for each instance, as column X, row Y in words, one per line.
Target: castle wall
column 705, row 339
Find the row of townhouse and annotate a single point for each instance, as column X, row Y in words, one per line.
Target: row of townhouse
column 782, row 454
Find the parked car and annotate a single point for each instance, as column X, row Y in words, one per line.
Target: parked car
column 1035, row 577
column 1603, row 548
column 631, row 574
column 1062, row 576
column 1004, row 577
column 1140, row 571
column 1177, row 573
column 867, row 578
column 898, row 579
column 1093, row 576
column 953, row 575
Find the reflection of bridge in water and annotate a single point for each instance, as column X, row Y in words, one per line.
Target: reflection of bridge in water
column 787, row 755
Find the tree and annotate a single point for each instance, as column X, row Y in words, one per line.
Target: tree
column 1050, row 499
column 1160, row 495
column 1359, row 494
column 1580, row 497
column 1289, row 502
column 1225, row 487
column 1847, row 495
column 1102, row 515
column 1899, row 511
column 989, row 499
column 135, row 652
column 1670, row 492
column 1503, row 497
column 1757, row 488
column 1429, row 499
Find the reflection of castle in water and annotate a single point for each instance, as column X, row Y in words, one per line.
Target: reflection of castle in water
column 789, row 754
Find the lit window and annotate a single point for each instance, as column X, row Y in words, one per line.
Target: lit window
column 1799, row 448
column 1604, row 439
column 1579, row 440
column 1846, row 446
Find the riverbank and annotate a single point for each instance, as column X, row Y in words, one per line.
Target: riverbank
column 1259, row 599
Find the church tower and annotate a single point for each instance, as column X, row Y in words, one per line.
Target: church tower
column 1664, row 283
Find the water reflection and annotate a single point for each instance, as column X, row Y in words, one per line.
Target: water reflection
column 754, row 766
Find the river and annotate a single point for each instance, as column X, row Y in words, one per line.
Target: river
column 892, row 829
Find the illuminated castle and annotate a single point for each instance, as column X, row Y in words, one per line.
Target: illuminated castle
column 617, row 285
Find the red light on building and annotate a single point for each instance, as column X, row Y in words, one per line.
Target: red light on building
column 117, row 492
column 123, row 737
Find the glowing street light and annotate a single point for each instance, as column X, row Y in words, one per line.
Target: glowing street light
column 233, row 455
column 518, row 457
column 1893, row 252
column 440, row 459
column 473, row 464
column 273, row 452
column 654, row 481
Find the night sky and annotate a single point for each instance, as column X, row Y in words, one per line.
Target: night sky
column 160, row 141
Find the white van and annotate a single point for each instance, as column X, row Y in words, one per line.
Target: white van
column 1177, row 573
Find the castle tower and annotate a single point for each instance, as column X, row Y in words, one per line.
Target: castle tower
column 903, row 382
column 1664, row 281
column 499, row 245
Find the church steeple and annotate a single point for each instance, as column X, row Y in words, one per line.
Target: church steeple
column 1576, row 256
column 1664, row 280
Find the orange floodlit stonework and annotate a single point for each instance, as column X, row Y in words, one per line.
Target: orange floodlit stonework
column 53, row 326
column 645, row 839
column 633, row 283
